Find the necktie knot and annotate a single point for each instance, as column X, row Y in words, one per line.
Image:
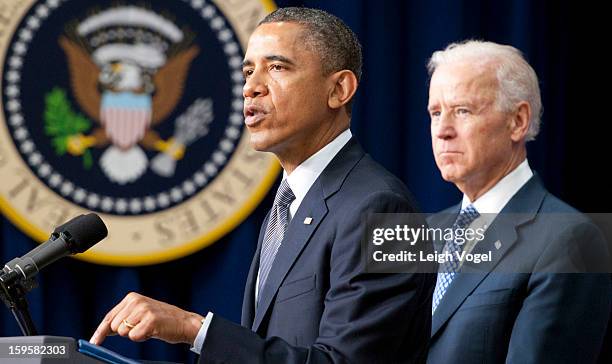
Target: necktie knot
column 284, row 195
column 467, row 215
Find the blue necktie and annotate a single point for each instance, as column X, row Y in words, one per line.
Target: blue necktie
column 275, row 231
column 449, row 268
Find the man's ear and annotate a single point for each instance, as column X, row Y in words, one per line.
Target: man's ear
column 344, row 85
column 520, row 121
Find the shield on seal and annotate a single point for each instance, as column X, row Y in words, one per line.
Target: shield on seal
column 125, row 116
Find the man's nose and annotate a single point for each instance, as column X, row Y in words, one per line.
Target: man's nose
column 444, row 127
column 254, row 86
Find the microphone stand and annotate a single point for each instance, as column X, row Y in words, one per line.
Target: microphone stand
column 13, row 293
column 17, row 276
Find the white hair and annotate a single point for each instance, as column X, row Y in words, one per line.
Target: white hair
column 517, row 79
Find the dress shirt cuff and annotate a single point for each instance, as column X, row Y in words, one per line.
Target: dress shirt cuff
column 198, row 343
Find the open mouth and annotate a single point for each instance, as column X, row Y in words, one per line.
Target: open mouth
column 253, row 114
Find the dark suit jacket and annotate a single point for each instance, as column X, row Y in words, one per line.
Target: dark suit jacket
column 317, row 305
column 491, row 315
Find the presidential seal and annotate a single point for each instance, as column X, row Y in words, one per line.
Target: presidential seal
column 132, row 110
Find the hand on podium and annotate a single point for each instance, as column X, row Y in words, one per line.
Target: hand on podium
column 140, row 318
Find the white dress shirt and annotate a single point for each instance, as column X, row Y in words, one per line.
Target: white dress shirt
column 300, row 181
column 302, row 178
column 494, row 200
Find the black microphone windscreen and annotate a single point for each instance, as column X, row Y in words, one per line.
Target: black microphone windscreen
column 85, row 231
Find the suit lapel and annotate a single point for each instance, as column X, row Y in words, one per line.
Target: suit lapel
column 521, row 209
column 248, row 300
column 299, row 233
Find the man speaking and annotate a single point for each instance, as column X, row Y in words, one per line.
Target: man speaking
column 307, row 298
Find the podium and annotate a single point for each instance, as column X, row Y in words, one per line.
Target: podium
column 42, row 349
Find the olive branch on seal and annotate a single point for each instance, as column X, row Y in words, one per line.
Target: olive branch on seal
column 61, row 122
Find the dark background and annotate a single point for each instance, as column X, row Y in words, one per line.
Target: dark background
column 565, row 43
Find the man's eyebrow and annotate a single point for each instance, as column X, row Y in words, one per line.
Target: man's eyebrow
column 279, row 58
column 272, row 57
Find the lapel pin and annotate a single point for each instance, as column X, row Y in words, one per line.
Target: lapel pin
column 307, row 220
column 497, row 245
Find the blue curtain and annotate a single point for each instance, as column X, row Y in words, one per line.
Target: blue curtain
column 391, row 122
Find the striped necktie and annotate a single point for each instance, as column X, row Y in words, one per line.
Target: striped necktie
column 275, row 231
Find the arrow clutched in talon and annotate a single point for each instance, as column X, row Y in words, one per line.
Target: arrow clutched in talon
column 189, row 127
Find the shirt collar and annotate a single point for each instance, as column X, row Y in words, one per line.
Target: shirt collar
column 494, row 200
column 302, row 178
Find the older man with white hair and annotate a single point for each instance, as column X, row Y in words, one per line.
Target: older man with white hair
column 527, row 304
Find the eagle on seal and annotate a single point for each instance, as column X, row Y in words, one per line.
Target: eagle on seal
column 127, row 89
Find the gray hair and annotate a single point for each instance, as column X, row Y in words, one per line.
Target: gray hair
column 517, row 79
column 334, row 42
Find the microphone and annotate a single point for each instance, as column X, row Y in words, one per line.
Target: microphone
column 73, row 237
